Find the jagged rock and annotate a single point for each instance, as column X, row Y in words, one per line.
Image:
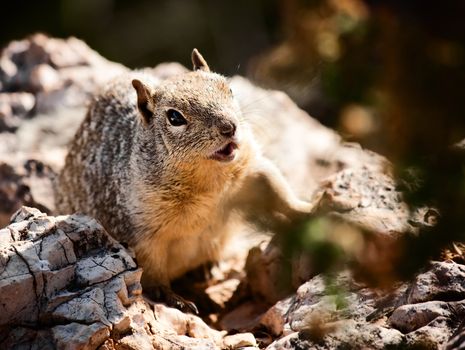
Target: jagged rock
column 444, row 280
column 65, row 283
column 46, row 279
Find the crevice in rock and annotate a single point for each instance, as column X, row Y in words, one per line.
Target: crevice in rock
column 34, row 281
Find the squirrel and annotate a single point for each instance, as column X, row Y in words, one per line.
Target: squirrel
column 163, row 165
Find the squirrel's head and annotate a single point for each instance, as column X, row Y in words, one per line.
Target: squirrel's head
column 194, row 113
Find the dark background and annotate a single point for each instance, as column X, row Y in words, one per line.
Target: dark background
column 144, row 32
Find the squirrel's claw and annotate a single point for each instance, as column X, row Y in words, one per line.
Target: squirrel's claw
column 165, row 295
column 174, row 300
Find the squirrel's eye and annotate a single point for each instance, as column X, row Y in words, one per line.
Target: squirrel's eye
column 175, row 118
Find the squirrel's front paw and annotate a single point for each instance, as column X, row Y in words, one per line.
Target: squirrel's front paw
column 166, row 295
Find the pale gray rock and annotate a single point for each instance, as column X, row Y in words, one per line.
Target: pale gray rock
column 66, row 284
column 39, row 280
column 76, row 336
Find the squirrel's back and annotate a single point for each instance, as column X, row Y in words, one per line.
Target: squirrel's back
column 96, row 172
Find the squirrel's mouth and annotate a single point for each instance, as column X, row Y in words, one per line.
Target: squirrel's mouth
column 225, row 154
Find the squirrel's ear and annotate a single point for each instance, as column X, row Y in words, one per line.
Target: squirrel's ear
column 143, row 100
column 199, row 62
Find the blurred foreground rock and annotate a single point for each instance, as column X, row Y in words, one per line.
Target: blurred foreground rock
column 65, row 283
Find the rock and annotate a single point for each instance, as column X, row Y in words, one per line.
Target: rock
column 342, row 335
column 41, row 256
column 408, row 318
column 432, row 336
column 318, row 299
column 240, row 340
column 457, row 340
column 316, row 318
column 274, row 319
column 244, row 317
column 367, row 198
column 69, row 276
column 14, row 107
column 169, row 329
column 45, row 78
column 60, row 74
column 44, row 138
column 168, row 69
column 40, row 259
column 185, row 324
column 29, row 184
column 444, row 280
column 362, row 335
column 75, row 336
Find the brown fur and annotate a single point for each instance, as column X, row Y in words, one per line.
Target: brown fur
column 155, row 186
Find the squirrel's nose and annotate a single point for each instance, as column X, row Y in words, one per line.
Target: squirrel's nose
column 228, row 129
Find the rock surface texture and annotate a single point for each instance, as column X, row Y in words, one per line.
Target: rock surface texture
column 66, row 284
